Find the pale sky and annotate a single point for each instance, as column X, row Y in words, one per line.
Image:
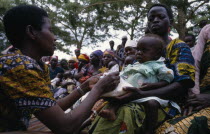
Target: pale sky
column 102, row 46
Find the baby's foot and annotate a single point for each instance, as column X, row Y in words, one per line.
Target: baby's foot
column 108, row 114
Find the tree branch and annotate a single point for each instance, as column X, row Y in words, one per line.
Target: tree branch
column 193, row 11
column 67, row 27
column 100, row 3
column 84, row 33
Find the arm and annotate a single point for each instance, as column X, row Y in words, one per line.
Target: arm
column 172, row 90
column 59, row 122
column 151, row 86
column 69, row 100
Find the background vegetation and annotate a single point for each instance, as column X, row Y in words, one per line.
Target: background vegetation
column 87, row 22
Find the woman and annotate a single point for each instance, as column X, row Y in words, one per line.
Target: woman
column 95, row 62
column 64, row 65
column 130, row 48
column 54, row 69
column 24, row 80
column 196, row 123
column 178, row 58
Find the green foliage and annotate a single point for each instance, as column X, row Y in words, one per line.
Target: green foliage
column 4, row 6
column 87, row 22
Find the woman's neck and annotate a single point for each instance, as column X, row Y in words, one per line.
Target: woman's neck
column 165, row 39
column 29, row 49
column 31, row 53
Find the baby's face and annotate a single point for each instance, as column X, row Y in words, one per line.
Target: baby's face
column 146, row 50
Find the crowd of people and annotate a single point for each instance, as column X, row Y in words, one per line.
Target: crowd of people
column 153, row 85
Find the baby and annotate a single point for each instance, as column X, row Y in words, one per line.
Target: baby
column 148, row 73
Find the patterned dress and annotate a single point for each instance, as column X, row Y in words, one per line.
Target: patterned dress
column 24, row 90
column 199, row 121
column 130, row 117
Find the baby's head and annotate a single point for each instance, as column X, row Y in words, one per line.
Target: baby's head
column 129, row 60
column 111, row 64
column 150, row 47
column 67, row 74
column 59, row 75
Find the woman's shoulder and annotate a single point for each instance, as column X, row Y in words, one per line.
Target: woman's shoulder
column 177, row 43
column 177, row 47
column 17, row 61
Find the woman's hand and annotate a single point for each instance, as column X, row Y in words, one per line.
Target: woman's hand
column 89, row 83
column 133, row 93
column 108, row 83
column 197, row 102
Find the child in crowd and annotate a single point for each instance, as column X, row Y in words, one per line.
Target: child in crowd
column 149, row 73
column 55, row 83
column 69, row 81
column 131, row 59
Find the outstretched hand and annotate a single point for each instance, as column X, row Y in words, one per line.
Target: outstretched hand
column 89, row 83
column 108, row 83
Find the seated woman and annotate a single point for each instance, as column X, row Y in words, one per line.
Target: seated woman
column 108, row 56
column 82, row 73
column 54, row 69
column 131, row 117
column 95, row 62
column 196, row 117
column 150, row 70
column 25, row 81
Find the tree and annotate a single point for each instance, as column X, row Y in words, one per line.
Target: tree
column 4, row 6
column 86, row 22
column 184, row 13
column 75, row 26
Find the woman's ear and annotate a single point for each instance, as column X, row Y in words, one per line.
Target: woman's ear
column 31, row 32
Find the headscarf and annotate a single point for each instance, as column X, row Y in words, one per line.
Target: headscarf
column 98, row 53
column 56, row 57
column 110, row 52
column 197, row 54
column 83, row 57
column 131, row 43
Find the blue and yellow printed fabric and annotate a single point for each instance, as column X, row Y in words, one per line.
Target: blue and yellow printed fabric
column 24, row 90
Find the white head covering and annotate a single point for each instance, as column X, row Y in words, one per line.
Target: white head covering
column 131, row 43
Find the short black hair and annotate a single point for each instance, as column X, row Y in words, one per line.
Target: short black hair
column 193, row 36
column 63, row 60
column 18, row 18
column 202, row 23
column 111, row 41
column 159, row 42
column 168, row 10
column 155, row 36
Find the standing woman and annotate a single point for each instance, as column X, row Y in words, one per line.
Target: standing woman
column 25, row 81
column 178, row 58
